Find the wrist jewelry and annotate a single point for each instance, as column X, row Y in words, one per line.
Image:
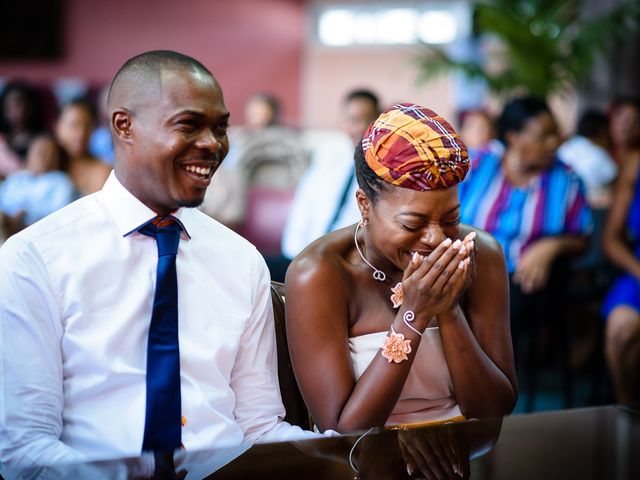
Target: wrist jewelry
column 395, row 348
column 408, row 317
column 353, row 448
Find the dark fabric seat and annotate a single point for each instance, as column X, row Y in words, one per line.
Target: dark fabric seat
column 294, row 405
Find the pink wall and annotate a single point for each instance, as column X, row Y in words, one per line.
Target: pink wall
column 250, row 45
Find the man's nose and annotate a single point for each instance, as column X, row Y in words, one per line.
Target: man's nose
column 209, row 141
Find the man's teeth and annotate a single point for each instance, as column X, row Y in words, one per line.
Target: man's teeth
column 205, row 171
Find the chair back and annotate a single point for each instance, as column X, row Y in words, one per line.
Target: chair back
column 296, row 410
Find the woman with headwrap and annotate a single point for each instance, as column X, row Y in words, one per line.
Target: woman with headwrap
column 403, row 317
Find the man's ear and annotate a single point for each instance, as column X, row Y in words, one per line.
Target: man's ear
column 121, row 124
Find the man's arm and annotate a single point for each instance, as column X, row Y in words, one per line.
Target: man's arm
column 31, row 391
column 254, row 377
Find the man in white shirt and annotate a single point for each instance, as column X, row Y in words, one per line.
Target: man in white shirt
column 325, row 196
column 77, row 293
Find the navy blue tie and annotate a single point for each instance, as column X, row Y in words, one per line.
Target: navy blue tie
column 162, row 427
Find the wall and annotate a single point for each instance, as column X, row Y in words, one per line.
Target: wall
column 249, row 45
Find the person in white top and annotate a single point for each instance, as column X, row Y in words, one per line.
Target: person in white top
column 77, row 293
column 586, row 153
column 325, row 198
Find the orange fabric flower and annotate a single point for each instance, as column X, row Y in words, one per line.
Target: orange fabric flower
column 395, row 348
column 398, row 295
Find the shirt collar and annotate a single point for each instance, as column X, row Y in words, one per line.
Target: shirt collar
column 129, row 213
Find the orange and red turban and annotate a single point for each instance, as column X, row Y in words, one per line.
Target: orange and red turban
column 413, row 147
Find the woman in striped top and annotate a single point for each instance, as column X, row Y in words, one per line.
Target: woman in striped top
column 531, row 203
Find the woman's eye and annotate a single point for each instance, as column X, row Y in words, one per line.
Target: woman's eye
column 410, row 229
column 452, row 223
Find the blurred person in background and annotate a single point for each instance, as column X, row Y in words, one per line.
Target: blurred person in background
column 536, row 208
column 43, row 187
column 478, row 131
column 21, row 120
column 324, row 200
column 101, row 143
column 73, row 130
column 587, row 154
column 625, row 129
column 621, row 242
column 226, row 198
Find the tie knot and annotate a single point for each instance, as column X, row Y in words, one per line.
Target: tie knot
column 166, row 231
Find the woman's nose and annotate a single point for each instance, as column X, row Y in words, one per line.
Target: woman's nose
column 432, row 236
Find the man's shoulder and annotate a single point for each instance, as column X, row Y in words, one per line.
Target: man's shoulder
column 63, row 220
column 218, row 235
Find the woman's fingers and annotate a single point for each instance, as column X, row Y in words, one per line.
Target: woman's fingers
column 414, row 264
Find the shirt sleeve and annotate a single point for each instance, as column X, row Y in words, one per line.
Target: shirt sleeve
column 31, row 389
column 579, row 218
column 254, row 378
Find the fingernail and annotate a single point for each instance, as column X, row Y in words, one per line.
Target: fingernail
column 471, row 245
column 461, row 264
column 463, row 250
column 416, row 257
column 446, row 242
column 457, row 243
column 470, row 236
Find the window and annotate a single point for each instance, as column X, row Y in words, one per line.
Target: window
column 401, row 24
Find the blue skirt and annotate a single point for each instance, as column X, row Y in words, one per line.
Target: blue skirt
column 625, row 291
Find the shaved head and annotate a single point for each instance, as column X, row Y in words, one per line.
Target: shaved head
column 143, row 73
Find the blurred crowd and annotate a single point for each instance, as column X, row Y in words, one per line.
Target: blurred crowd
column 565, row 210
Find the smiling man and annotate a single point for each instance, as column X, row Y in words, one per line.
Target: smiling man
column 130, row 321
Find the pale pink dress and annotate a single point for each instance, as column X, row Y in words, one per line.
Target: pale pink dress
column 428, row 393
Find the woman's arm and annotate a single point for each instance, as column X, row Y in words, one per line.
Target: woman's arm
column 478, row 349
column 613, row 237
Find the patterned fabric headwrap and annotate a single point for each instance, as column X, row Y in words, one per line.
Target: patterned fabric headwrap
column 413, row 147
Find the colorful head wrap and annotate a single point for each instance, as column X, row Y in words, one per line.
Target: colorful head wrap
column 413, row 147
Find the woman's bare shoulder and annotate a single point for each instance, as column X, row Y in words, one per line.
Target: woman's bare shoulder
column 321, row 265
column 486, row 245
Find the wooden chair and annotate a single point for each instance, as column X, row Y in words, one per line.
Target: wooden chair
column 296, row 410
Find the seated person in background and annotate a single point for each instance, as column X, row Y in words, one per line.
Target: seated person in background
column 98, row 365
column 29, row 195
column 477, row 131
column 403, row 317
column 533, row 204
column 586, row 153
column 100, row 142
column 21, row 120
column 625, row 129
column 621, row 242
column 324, row 199
column 73, row 130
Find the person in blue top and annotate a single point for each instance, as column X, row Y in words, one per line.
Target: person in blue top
column 29, row 195
column 621, row 242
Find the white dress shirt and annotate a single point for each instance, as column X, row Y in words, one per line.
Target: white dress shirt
column 318, row 195
column 76, row 296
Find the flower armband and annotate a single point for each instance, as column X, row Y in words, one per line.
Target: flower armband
column 395, row 348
